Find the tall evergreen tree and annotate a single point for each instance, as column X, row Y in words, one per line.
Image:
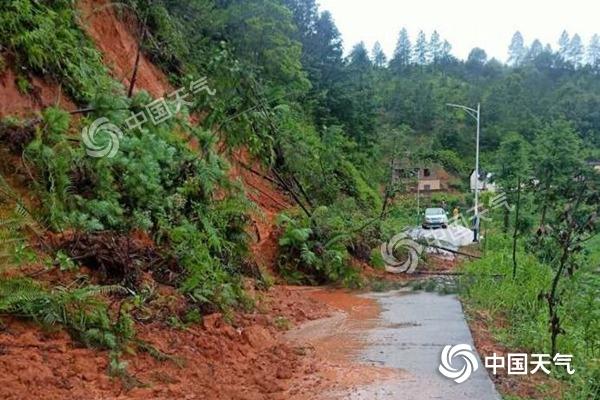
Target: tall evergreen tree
column 435, row 47
column 593, row 52
column 262, row 33
column 554, row 166
column 535, row 50
column 322, row 59
column 359, row 89
column 359, row 58
column 421, row 50
column 563, row 45
column 378, row 56
column 305, row 14
column 576, row 50
column 446, row 51
column 402, row 53
column 517, row 50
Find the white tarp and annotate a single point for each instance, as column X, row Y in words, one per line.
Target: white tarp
column 453, row 237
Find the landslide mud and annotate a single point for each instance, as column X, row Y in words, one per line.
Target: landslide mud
column 338, row 340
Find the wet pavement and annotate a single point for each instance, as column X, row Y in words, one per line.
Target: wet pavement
column 412, row 330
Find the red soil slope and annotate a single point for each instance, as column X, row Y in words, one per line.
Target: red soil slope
column 119, row 47
column 41, row 95
column 270, row 201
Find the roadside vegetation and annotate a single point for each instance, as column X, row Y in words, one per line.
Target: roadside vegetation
column 538, row 284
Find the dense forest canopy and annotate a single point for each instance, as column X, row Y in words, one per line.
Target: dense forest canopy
column 369, row 97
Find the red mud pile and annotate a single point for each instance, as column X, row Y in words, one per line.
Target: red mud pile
column 216, row 360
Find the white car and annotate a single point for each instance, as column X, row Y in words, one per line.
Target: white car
column 435, row 218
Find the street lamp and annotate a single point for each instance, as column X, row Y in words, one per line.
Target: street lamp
column 476, row 114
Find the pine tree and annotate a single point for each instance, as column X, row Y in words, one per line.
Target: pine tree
column 535, row 50
column 436, row 47
column 359, row 57
column 563, row 45
column 517, row 50
column 378, row 56
column 576, row 51
column 421, row 50
column 305, row 14
column 402, row 53
column 446, row 52
column 593, row 53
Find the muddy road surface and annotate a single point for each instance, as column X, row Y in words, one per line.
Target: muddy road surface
column 389, row 346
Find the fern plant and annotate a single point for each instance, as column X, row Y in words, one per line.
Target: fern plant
column 79, row 310
column 16, row 222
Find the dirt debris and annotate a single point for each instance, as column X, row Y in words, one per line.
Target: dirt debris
column 246, row 358
column 118, row 258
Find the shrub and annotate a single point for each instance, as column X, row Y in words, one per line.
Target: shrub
column 79, row 310
column 518, row 302
column 312, row 253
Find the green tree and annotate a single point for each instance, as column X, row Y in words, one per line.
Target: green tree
column 513, row 172
column 535, row 50
column 403, row 52
column 563, row 45
column 476, row 60
column 574, row 225
column 359, row 119
column 262, row 32
column 446, row 52
column 421, row 50
column 435, row 48
column 557, row 158
column 378, row 56
column 576, row 51
column 517, row 50
column 593, row 52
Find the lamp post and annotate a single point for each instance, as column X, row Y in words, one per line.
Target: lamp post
column 476, row 114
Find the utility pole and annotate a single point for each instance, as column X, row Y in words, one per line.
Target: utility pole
column 476, row 114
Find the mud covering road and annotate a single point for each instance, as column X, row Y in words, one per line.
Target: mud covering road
column 396, row 352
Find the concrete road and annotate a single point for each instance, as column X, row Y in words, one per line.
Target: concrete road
column 414, row 328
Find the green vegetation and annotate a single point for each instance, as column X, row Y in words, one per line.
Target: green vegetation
column 548, row 298
column 79, row 310
column 518, row 315
column 45, row 39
